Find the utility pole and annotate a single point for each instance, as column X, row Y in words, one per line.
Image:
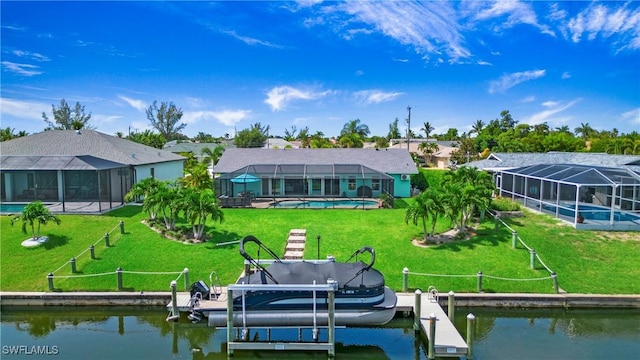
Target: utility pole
column 408, row 127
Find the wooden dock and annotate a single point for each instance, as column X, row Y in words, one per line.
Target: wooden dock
column 448, row 342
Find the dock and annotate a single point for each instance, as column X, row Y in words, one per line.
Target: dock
column 448, row 341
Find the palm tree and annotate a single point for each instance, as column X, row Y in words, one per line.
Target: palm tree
column 141, row 190
column 166, row 199
column 354, row 127
column 197, row 206
column 427, row 128
column 419, row 210
column 212, row 156
column 428, row 149
column 477, row 127
column 197, row 176
column 585, row 130
column 33, row 213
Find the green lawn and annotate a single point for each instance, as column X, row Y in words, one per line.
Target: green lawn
column 586, row 262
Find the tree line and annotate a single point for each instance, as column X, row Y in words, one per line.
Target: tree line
column 503, row 134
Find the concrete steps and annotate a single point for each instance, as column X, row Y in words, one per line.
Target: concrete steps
column 294, row 250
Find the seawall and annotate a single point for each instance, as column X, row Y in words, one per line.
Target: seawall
column 498, row 300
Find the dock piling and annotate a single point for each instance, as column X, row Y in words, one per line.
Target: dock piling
column 405, row 279
column 471, row 319
column 92, row 250
column 431, row 353
column 554, row 277
column 121, row 227
column 533, row 259
column 106, row 240
column 174, row 300
column 186, row 278
column 451, row 309
column 514, row 239
column 119, row 275
column 480, row 282
column 73, row 265
column 416, row 310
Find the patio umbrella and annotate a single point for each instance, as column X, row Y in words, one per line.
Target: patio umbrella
column 245, row 179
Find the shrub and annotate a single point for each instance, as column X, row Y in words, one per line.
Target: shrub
column 504, row 204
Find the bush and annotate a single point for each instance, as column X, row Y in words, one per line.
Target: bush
column 504, row 204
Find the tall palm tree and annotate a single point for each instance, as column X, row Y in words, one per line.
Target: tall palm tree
column 212, row 156
column 140, row 191
column 35, row 213
column 584, row 130
column 355, row 127
column 427, row 128
column 419, row 211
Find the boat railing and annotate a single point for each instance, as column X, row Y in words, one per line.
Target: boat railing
column 256, row 263
column 365, row 249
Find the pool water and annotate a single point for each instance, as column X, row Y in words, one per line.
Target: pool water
column 12, row 208
column 325, row 204
column 591, row 212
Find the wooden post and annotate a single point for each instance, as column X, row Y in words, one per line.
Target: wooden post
column 50, row 280
column 532, row 254
column 451, row 309
column 554, row 277
column 119, row 274
column 92, row 250
column 470, row 335
column 121, row 227
column 106, row 240
column 229, row 321
column 405, row 279
column 431, row 353
column 514, row 239
column 186, row 279
column 497, row 222
column 479, row 281
column 416, row 310
column 73, row 264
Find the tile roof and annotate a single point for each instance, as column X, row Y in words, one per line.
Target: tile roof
column 384, row 160
column 65, row 143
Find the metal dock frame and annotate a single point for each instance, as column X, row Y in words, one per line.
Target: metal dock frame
column 330, row 287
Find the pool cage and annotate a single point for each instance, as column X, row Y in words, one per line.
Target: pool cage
column 304, row 181
column 593, row 198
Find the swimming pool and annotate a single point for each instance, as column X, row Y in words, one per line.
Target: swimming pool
column 11, row 208
column 592, row 212
column 326, row 204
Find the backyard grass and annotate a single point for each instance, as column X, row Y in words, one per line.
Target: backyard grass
column 586, row 262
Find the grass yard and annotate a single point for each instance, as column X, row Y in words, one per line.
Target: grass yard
column 586, row 262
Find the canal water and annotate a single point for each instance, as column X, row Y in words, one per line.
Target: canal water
column 143, row 333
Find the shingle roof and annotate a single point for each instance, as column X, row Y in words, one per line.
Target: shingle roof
column 87, row 143
column 501, row 161
column 388, row 161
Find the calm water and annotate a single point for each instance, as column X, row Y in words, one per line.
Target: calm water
column 325, row 204
column 127, row 333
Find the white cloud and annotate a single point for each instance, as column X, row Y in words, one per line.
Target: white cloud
column 632, row 116
column 30, row 55
column 31, row 110
column 22, row 69
column 510, row 80
column 280, row 96
column 251, row 41
column 565, row 75
column 549, row 115
column 136, row 104
column 528, row 99
column 225, row 117
column 428, row 27
column 621, row 24
column 376, row 96
column 515, row 12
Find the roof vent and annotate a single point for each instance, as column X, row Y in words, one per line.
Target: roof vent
column 78, row 132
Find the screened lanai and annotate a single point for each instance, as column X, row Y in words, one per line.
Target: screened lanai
column 594, row 198
column 305, row 180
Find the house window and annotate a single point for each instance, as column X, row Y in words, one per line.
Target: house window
column 375, row 184
column 352, row 183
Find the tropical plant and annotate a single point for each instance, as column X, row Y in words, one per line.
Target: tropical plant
column 426, row 205
column 35, row 213
column 140, row 191
column 467, row 190
column 197, row 176
column 166, row 199
column 197, row 206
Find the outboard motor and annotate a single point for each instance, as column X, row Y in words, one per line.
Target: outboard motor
column 202, row 288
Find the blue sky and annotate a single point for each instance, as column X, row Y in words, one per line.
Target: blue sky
column 230, row 64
